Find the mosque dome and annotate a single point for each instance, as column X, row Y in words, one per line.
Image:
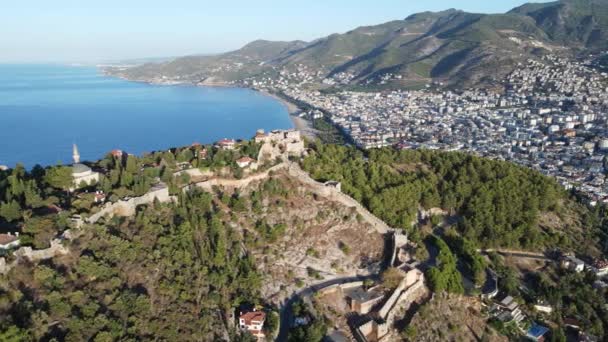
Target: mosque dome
column 80, row 169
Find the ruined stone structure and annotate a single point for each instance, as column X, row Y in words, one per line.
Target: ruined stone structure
column 279, row 144
column 57, row 248
column 127, row 207
column 413, row 279
column 362, row 301
column 377, row 328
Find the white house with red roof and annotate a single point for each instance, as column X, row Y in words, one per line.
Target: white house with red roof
column 253, row 322
column 244, row 162
column 8, row 241
column 226, row 144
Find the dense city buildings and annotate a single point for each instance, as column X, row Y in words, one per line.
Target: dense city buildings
column 551, row 117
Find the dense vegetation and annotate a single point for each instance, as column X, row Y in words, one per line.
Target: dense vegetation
column 574, row 298
column 171, row 273
column 38, row 204
column 497, row 204
column 175, row 271
column 474, row 264
column 32, row 199
column 313, row 332
column 444, row 276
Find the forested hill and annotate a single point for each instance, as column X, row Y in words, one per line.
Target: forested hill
column 179, row 270
column 452, row 46
column 495, row 203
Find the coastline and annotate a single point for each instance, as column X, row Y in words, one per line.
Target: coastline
column 291, row 107
column 300, row 124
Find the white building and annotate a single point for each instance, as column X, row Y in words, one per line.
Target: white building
column 253, row 322
column 81, row 173
column 8, row 241
column 246, row 162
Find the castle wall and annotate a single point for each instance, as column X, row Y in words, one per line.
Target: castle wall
column 56, row 249
column 127, row 208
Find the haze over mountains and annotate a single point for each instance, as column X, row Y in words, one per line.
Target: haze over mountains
column 450, row 46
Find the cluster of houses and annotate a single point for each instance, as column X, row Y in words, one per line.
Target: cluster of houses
column 599, row 267
column 551, row 118
column 508, row 311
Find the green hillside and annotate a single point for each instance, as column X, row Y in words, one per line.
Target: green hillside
column 452, row 46
column 583, row 22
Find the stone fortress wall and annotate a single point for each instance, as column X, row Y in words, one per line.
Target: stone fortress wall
column 128, row 207
column 56, row 249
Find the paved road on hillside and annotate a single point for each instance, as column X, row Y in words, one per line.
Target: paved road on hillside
column 517, row 254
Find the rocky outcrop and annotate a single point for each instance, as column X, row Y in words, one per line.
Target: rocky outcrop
column 327, row 190
column 333, row 193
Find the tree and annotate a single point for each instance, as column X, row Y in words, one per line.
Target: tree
column 310, row 333
column 557, row 335
column 14, row 334
column 272, row 323
column 445, row 275
column 409, row 333
column 59, row 177
column 132, row 165
column 40, row 230
column 11, row 211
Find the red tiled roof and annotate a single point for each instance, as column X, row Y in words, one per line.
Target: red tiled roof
column 6, row 238
column 253, row 316
column 600, row 264
column 117, row 153
column 571, row 322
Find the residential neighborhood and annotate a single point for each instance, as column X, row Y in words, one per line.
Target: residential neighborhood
column 552, row 117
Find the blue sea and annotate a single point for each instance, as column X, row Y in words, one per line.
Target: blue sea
column 44, row 109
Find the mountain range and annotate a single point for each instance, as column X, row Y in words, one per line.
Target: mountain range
column 451, row 46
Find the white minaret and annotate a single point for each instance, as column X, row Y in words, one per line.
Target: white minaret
column 75, row 154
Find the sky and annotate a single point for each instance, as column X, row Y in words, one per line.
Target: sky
column 111, row 30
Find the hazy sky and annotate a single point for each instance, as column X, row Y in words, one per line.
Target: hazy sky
column 93, row 30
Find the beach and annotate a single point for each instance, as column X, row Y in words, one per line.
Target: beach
column 301, row 124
